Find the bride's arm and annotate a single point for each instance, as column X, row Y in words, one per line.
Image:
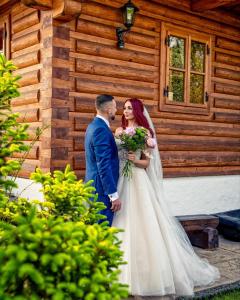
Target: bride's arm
column 140, row 163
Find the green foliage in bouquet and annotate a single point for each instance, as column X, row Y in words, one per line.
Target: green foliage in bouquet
column 71, row 198
column 132, row 139
column 50, row 259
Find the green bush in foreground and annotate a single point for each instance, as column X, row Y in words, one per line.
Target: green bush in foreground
column 51, row 259
column 54, row 250
column 71, row 198
column 64, row 196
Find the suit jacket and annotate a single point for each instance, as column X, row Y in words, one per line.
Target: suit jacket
column 102, row 164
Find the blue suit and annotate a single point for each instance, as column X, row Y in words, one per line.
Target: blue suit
column 102, row 164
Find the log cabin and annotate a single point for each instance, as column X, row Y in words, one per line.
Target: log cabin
column 181, row 57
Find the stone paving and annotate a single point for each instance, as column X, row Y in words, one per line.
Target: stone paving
column 226, row 258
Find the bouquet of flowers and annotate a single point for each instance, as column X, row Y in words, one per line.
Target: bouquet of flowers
column 133, row 139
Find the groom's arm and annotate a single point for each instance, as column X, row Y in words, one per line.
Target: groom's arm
column 103, row 151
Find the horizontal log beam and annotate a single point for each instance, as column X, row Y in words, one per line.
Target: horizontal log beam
column 6, row 6
column 29, row 166
column 104, row 31
column 25, row 22
column 66, row 10
column 196, row 171
column 26, row 41
column 38, row 4
column 202, row 5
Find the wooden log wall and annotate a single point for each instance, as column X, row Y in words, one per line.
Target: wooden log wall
column 190, row 144
column 61, row 138
column 30, row 36
column 25, row 46
column 65, row 65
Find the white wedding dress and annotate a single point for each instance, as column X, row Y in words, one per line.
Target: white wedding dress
column 160, row 259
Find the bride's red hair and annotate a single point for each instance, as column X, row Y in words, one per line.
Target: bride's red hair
column 138, row 109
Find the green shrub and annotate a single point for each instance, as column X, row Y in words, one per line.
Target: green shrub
column 12, row 133
column 54, row 249
column 64, row 195
column 71, row 198
column 44, row 258
column 11, row 210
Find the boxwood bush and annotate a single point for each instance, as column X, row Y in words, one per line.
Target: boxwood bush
column 47, row 258
column 55, row 249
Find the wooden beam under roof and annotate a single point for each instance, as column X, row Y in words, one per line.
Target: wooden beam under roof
column 67, row 10
column 202, row 5
column 232, row 4
column 6, row 5
column 38, row 4
column 4, row 2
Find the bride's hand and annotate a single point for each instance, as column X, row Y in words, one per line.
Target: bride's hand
column 132, row 157
column 142, row 163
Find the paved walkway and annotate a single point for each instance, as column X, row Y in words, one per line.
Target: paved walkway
column 226, row 258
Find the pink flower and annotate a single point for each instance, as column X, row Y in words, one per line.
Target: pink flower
column 151, row 142
column 130, row 131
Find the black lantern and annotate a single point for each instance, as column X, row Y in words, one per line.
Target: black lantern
column 128, row 11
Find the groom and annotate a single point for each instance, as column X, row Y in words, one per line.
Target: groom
column 102, row 164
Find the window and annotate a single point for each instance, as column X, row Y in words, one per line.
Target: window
column 4, row 29
column 1, row 40
column 185, row 70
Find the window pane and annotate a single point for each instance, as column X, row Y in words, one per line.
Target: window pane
column 176, row 86
column 197, row 56
column 1, row 40
column 197, row 89
column 177, row 52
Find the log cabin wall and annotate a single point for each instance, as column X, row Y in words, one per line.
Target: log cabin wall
column 61, row 137
column 191, row 144
column 66, row 64
column 29, row 36
column 97, row 66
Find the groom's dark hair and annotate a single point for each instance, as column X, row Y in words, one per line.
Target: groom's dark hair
column 102, row 99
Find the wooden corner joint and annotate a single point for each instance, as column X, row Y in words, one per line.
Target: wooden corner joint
column 38, row 4
column 66, row 10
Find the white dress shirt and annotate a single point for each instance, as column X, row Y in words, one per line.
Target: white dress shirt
column 115, row 195
column 105, row 120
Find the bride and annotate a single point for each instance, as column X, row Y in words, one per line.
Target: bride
column 160, row 258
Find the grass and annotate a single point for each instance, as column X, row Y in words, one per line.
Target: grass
column 233, row 295
column 225, row 292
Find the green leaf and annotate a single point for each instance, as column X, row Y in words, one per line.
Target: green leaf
column 21, row 255
column 58, row 296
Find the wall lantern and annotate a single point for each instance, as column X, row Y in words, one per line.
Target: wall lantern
column 128, row 12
